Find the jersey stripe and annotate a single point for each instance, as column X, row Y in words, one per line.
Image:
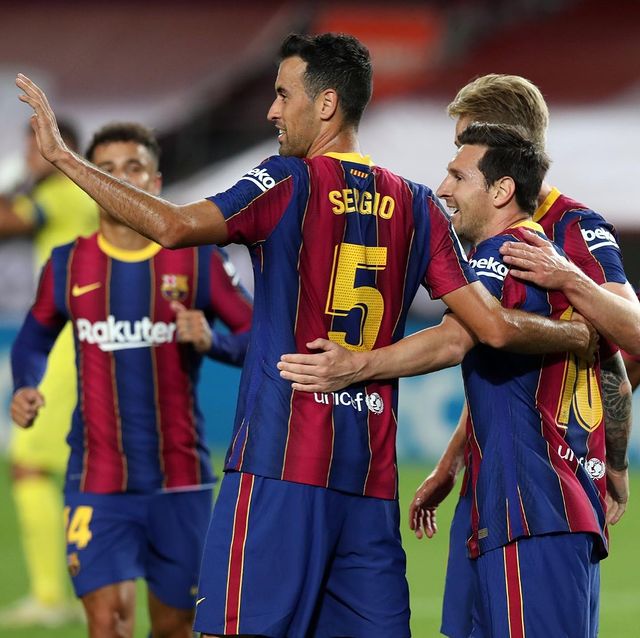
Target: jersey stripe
column 235, row 575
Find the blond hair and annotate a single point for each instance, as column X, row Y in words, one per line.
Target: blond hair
column 504, row 99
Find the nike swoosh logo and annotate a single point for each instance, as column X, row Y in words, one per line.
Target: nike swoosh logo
column 200, row 600
column 77, row 291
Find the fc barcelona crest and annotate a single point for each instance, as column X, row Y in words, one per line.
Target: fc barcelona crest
column 174, row 287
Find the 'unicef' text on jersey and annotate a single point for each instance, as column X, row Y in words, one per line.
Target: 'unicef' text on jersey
column 373, row 401
column 489, row 268
column 598, row 237
column 122, row 335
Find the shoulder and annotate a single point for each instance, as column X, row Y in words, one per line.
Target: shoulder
column 486, row 259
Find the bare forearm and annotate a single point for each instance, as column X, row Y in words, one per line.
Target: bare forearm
column 431, row 349
column 615, row 316
column 153, row 217
column 528, row 333
column 616, row 395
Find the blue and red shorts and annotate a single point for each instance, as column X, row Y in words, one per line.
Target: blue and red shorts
column 287, row 559
column 535, row 587
column 159, row 537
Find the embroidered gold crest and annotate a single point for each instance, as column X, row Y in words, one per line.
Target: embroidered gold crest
column 174, row 287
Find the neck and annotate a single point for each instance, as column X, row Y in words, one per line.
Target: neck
column 504, row 221
column 342, row 141
column 545, row 189
column 121, row 236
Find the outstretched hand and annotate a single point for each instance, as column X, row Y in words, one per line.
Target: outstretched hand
column 422, row 511
column 43, row 120
column 192, row 327
column 331, row 369
column 25, row 405
column 537, row 261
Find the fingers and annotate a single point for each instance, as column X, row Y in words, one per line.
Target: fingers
column 177, row 307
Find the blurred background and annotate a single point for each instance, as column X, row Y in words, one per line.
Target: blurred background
column 201, row 74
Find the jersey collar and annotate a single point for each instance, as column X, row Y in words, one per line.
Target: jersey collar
column 122, row 254
column 528, row 223
column 548, row 202
column 356, row 158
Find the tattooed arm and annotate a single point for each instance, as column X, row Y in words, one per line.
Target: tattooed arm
column 616, row 394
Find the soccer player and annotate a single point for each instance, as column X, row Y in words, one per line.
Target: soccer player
column 535, row 479
column 514, row 100
column 138, row 482
column 52, row 210
column 304, row 539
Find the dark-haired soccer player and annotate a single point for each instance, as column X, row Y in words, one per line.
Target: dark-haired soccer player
column 138, row 481
column 535, row 480
column 304, row 539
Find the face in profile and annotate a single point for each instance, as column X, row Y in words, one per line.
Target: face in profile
column 293, row 112
column 466, row 194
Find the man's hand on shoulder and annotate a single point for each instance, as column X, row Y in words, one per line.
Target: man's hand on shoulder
column 25, row 405
column 538, row 262
column 331, row 369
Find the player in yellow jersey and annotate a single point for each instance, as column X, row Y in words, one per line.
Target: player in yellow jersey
column 52, row 210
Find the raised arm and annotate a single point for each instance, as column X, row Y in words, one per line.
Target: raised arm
column 612, row 308
column 168, row 224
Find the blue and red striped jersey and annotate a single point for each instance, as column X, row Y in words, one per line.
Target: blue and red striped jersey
column 584, row 235
column 137, row 426
column 339, row 249
column 535, row 433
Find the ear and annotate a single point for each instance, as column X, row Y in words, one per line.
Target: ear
column 504, row 191
column 327, row 103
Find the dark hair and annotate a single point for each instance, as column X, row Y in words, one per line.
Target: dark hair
column 124, row 132
column 334, row 61
column 509, row 154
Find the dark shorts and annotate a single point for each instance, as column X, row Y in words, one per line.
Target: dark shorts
column 159, row 537
column 286, row 559
column 535, row 587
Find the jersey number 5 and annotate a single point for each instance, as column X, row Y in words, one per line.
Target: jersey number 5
column 344, row 296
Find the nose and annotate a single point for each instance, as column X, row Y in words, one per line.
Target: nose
column 274, row 111
column 444, row 189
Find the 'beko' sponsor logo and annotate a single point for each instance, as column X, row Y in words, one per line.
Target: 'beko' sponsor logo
column 489, row 268
column 373, row 402
column 123, row 335
column 601, row 237
column 260, row 178
column 594, row 466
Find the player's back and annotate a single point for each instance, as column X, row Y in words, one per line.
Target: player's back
column 340, row 250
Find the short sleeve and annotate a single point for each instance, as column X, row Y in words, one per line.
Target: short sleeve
column 253, row 207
